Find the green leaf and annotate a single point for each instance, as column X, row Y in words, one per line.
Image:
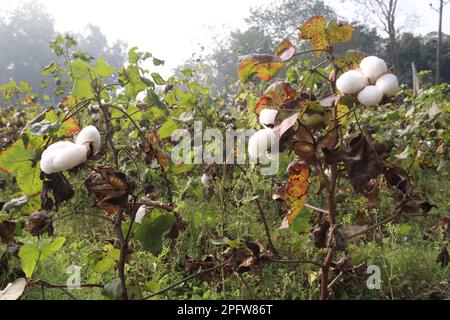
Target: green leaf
column 404, row 229
column 50, row 68
column 103, row 69
column 158, row 62
column 167, row 129
column 16, row 160
column 29, row 257
column 153, row 286
column 48, row 248
column 31, row 254
column 79, row 68
column 82, row 89
column 187, row 72
column 301, row 222
column 158, row 79
column 154, row 226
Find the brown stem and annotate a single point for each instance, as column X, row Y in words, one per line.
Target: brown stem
column 123, row 255
column 376, row 225
column 318, row 264
column 192, row 276
column 58, row 286
column 110, row 133
column 266, row 228
column 331, row 204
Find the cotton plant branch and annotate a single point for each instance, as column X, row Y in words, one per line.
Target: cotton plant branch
column 195, row 275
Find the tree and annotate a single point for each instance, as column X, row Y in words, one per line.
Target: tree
column 442, row 3
column 384, row 13
column 25, row 35
column 421, row 51
column 280, row 19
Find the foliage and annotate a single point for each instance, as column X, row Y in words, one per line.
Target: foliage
column 352, row 179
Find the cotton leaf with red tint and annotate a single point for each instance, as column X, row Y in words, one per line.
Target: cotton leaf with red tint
column 295, row 192
column 276, row 95
column 265, row 66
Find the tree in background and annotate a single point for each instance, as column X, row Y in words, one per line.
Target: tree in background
column 421, row 51
column 384, row 14
column 442, row 3
column 280, row 19
column 25, row 34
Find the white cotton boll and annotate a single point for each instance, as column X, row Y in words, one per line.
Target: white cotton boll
column 351, row 82
column 47, row 163
column 206, row 180
column 56, row 146
column 260, row 143
column 49, row 155
column 370, row 96
column 388, row 84
column 140, row 214
column 70, row 157
column 373, row 67
column 267, row 117
column 89, row 135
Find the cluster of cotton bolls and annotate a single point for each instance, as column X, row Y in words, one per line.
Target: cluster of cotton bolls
column 370, row 82
column 65, row 155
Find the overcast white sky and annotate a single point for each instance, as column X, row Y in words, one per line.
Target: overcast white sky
column 174, row 29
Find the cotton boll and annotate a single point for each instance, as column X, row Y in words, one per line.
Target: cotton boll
column 388, row 84
column 70, row 157
column 56, row 146
column 47, row 163
column 370, row 96
column 373, row 67
column 49, row 155
column 267, row 117
column 351, row 82
column 260, row 143
column 140, row 214
column 206, row 180
column 90, row 135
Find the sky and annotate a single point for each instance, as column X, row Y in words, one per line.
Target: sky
column 174, row 29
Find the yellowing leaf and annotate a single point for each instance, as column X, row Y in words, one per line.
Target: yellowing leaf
column 295, row 192
column 265, row 66
column 275, row 96
column 339, row 32
column 344, row 104
column 323, row 34
column 314, row 30
column 351, row 60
